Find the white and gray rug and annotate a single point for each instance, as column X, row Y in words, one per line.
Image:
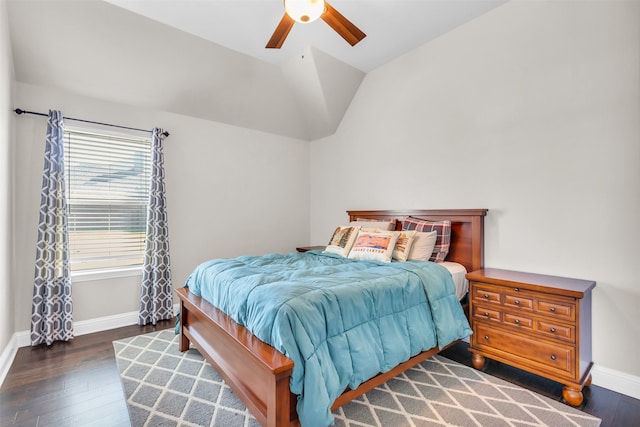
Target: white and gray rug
column 164, row 387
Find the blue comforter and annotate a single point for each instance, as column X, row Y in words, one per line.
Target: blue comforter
column 341, row 321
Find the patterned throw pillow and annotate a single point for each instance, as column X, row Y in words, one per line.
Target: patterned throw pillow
column 342, row 240
column 443, row 239
column 403, row 245
column 374, row 245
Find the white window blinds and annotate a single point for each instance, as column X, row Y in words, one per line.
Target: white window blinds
column 107, row 196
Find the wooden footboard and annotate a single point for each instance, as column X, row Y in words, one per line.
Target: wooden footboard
column 256, row 372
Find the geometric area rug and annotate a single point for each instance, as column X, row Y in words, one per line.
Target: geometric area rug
column 164, row 387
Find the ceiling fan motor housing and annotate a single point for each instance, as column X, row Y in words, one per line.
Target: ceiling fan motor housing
column 304, row 11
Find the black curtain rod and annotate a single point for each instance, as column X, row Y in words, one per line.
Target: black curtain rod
column 20, row 111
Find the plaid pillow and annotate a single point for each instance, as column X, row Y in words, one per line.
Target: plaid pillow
column 443, row 230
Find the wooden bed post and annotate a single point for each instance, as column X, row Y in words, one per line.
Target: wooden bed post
column 280, row 401
column 184, row 341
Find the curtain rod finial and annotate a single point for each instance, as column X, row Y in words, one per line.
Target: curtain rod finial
column 19, row 111
column 165, row 133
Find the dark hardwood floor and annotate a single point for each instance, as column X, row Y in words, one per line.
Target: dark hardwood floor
column 77, row 384
column 73, row 383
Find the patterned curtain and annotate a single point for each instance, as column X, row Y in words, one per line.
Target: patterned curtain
column 52, row 308
column 156, row 297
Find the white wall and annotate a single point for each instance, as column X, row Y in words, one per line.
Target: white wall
column 6, row 78
column 531, row 111
column 230, row 191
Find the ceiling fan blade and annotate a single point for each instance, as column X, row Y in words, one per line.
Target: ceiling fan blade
column 342, row 25
column 281, row 32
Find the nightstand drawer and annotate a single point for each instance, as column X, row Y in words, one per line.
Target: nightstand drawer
column 484, row 313
column 518, row 302
column 554, row 330
column 517, row 320
column 481, row 293
column 560, row 310
column 543, row 355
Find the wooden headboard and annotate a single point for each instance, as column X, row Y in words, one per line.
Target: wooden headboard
column 467, row 230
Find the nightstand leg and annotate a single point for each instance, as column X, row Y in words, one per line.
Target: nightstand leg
column 573, row 396
column 477, row 360
column 587, row 383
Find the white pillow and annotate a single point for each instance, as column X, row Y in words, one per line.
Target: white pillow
column 423, row 244
column 342, row 240
column 404, row 244
column 374, row 245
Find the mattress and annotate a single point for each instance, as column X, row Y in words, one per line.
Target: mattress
column 458, row 272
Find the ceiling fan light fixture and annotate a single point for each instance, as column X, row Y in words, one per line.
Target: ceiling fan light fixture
column 304, row 11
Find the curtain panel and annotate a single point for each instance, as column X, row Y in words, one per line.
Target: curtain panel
column 156, row 295
column 52, row 307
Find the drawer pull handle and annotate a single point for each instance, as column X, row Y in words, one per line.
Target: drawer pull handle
column 553, row 357
column 486, row 337
column 485, row 296
column 516, row 289
column 517, row 321
column 486, row 314
column 553, row 330
column 552, row 309
column 517, row 302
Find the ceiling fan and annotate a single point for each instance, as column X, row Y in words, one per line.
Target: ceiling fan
column 305, row 11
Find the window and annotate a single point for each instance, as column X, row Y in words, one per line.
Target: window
column 107, row 196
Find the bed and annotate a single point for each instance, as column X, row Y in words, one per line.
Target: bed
column 259, row 374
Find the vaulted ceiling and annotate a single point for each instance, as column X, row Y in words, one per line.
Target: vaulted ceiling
column 207, row 59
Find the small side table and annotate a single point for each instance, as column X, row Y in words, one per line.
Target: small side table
column 310, row 248
column 538, row 323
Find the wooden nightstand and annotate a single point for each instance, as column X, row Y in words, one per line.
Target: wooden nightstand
column 309, row 248
column 541, row 324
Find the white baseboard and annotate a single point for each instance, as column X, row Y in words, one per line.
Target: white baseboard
column 617, row 381
column 7, row 356
column 611, row 379
column 83, row 327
